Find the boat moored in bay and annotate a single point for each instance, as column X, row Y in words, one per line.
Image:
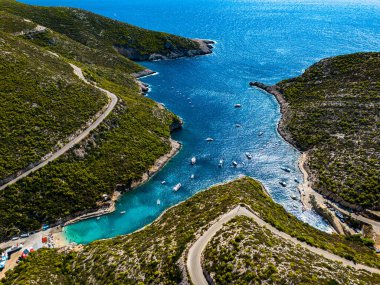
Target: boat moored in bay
column 177, row 187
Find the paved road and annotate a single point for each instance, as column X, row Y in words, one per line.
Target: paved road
column 111, row 105
column 194, row 266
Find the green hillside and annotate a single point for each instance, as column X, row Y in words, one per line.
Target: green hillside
column 155, row 255
column 242, row 252
column 102, row 33
column 334, row 112
column 42, row 103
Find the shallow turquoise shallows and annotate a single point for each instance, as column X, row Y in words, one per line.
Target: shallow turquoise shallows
column 256, row 40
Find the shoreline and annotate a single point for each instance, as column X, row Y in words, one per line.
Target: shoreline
column 146, row 176
column 61, row 242
column 57, row 235
column 305, row 189
column 179, row 203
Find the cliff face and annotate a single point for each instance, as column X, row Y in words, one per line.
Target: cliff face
column 332, row 111
column 170, row 51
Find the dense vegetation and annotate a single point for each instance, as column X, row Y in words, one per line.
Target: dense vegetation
column 242, row 252
column 41, row 104
column 334, row 112
column 103, row 33
column 120, row 150
column 155, row 255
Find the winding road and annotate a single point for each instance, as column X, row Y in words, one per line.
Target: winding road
column 111, row 105
column 194, row 265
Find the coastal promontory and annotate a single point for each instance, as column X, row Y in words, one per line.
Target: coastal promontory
column 332, row 112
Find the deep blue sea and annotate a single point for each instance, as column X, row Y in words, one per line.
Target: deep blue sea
column 264, row 41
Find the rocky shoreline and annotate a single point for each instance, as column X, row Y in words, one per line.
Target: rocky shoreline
column 284, row 106
column 172, row 52
column 306, row 189
column 206, row 47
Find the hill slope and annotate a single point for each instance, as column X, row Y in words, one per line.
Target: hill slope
column 42, row 103
column 242, row 252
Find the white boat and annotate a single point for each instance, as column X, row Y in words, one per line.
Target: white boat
column 261, row 133
column 193, row 160
column 248, row 155
column 285, row 169
column 158, row 202
column 283, row 184
column 98, row 218
column 176, row 188
column 163, row 182
column 234, row 163
column 192, row 176
column 122, row 212
column 294, row 197
column 237, row 105
column 209, row 139
column 221, row 163
column 237, row 125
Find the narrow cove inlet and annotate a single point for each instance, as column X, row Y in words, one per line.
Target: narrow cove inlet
column 205, row 90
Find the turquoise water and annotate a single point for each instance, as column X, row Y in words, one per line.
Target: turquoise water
column 262, row 41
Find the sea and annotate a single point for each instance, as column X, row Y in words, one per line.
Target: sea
column 265, row 41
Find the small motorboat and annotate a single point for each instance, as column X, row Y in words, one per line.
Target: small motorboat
column 261, row 133
column 193, row 160
column 98, row 218
column 285, row 169
column 237, row 125
column 209, row 139
column 296, row 180
column 248, row 155
column 234, row 163
column 192, row 176
column 283, row 184
column 221, row 163
column 177, row 187
column 122, row 212
column 163, row 182
column 237, row 105
column 158, row 202
column 294, row 197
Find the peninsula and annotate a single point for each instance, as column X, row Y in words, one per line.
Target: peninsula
column 330, row 112
column 99, row 135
